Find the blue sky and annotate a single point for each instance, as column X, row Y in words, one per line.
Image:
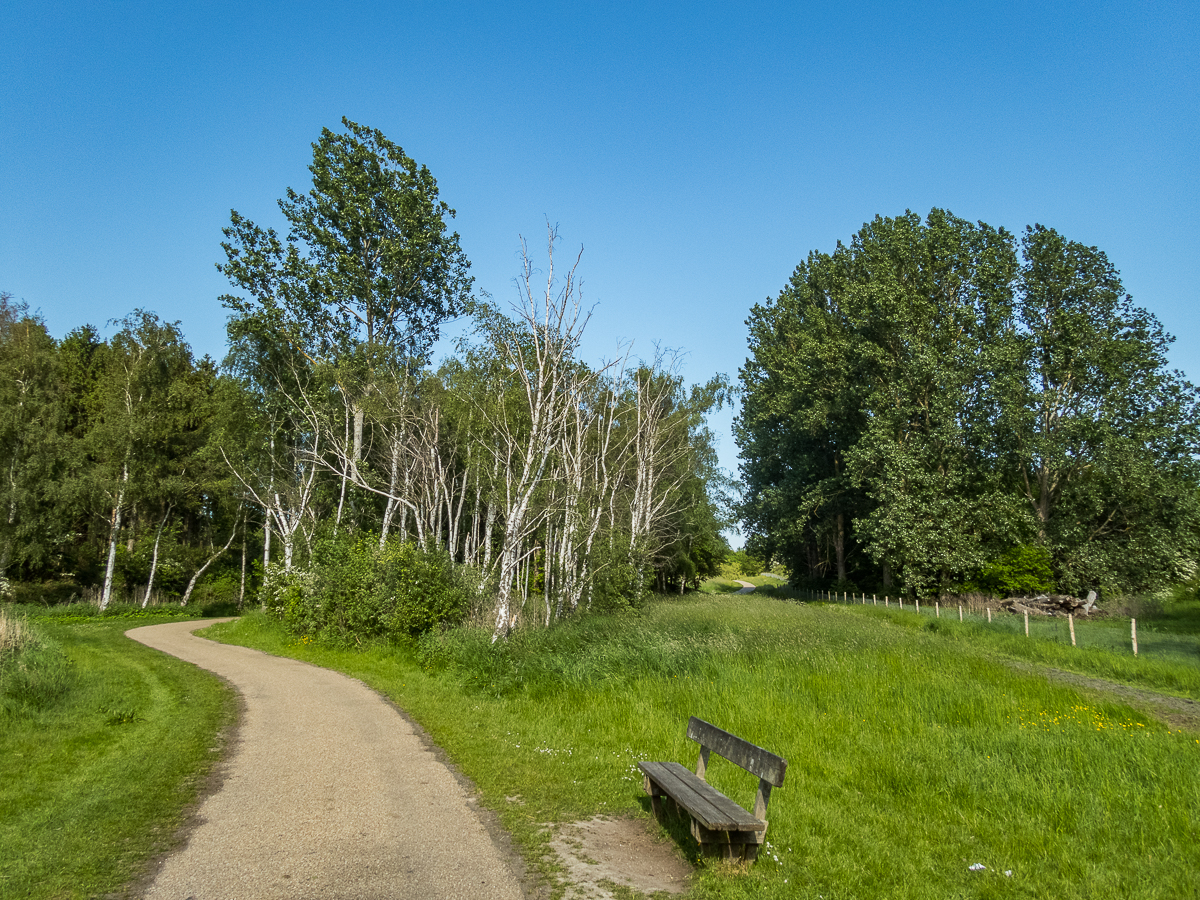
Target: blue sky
column 697, row 151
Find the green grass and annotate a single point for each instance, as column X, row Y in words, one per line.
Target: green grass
column 1168, row 654
column 719, row 586
column 912, row 756
column 94, row 782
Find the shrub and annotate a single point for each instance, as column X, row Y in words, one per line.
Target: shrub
column 357, row 590
column 1025, row 570
column 618, row 583
column 288, row 593
column 48, row 593
column 741, row 564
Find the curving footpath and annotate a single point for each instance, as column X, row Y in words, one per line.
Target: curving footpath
column 328, row 793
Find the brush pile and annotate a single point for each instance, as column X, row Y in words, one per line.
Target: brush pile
column 1051, row 605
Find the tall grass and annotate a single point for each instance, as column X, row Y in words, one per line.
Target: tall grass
column 34, row 671
column 911, row 756
column 1168, row 639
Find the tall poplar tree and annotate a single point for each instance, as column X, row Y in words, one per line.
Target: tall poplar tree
column 977, row 399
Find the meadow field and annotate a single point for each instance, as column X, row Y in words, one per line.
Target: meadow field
column 918, row 747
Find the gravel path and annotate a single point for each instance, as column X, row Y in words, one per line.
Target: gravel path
column 328, row 793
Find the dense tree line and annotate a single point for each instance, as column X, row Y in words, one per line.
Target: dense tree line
column 563, row 485
column 110, row 473
column 940, row 406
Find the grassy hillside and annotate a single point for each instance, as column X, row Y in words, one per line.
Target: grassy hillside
column 915, row 751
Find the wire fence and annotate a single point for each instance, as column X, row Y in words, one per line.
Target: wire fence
column 1097, row 631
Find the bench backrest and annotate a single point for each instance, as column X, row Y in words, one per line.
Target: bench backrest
column 754, row 759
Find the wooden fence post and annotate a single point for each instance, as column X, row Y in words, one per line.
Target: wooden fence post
column 1133, row 634
column 1071, row 625
column 1026, row 623
column 960, row 612
column 937, row 609
column 989, row 609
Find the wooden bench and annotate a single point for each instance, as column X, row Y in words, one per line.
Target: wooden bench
column 721, row 826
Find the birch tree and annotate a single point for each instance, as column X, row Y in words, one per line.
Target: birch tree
column 145, row 356
column 540, row 384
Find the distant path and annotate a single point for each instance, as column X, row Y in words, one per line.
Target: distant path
column 747, row 587
column 328, row 793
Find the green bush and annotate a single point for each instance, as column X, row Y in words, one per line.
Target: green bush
column 741, row 564
column 618, row 583
column 357, row 590
column 1023, row 570
column 48, row 593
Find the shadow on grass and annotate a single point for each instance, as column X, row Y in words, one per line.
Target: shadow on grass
column 677, row 824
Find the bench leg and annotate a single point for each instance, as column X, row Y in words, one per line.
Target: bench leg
column 656, row 804
column 730, row 845
column 656, row 796
column 732, row 852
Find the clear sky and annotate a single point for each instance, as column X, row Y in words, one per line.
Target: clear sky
column 697, row 151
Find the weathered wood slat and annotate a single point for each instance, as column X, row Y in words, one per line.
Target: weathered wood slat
column 708, row 805
column 751, row 757
column 672, row 780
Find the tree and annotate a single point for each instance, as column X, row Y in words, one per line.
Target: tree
column 933, row 320
column 33, row 446
column 953, row 400
column 1100, row 436
column 130, row 441
column 367, row 275
column 802, row 411
column 538, row 384
column 368, row 262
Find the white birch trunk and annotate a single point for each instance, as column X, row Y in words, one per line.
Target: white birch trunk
column 191, row 584
column 114, row 532
column 154, row 559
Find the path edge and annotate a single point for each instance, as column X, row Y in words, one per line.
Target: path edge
column 210, row 782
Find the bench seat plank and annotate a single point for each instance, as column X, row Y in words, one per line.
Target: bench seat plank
column 705, row 803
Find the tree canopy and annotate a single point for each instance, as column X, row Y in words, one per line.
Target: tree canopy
column 930, row 398
column 367, row 263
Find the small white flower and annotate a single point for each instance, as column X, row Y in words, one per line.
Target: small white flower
column 977, row 867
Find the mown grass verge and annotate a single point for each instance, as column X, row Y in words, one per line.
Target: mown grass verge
column 911, row 757
column 95, row 780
